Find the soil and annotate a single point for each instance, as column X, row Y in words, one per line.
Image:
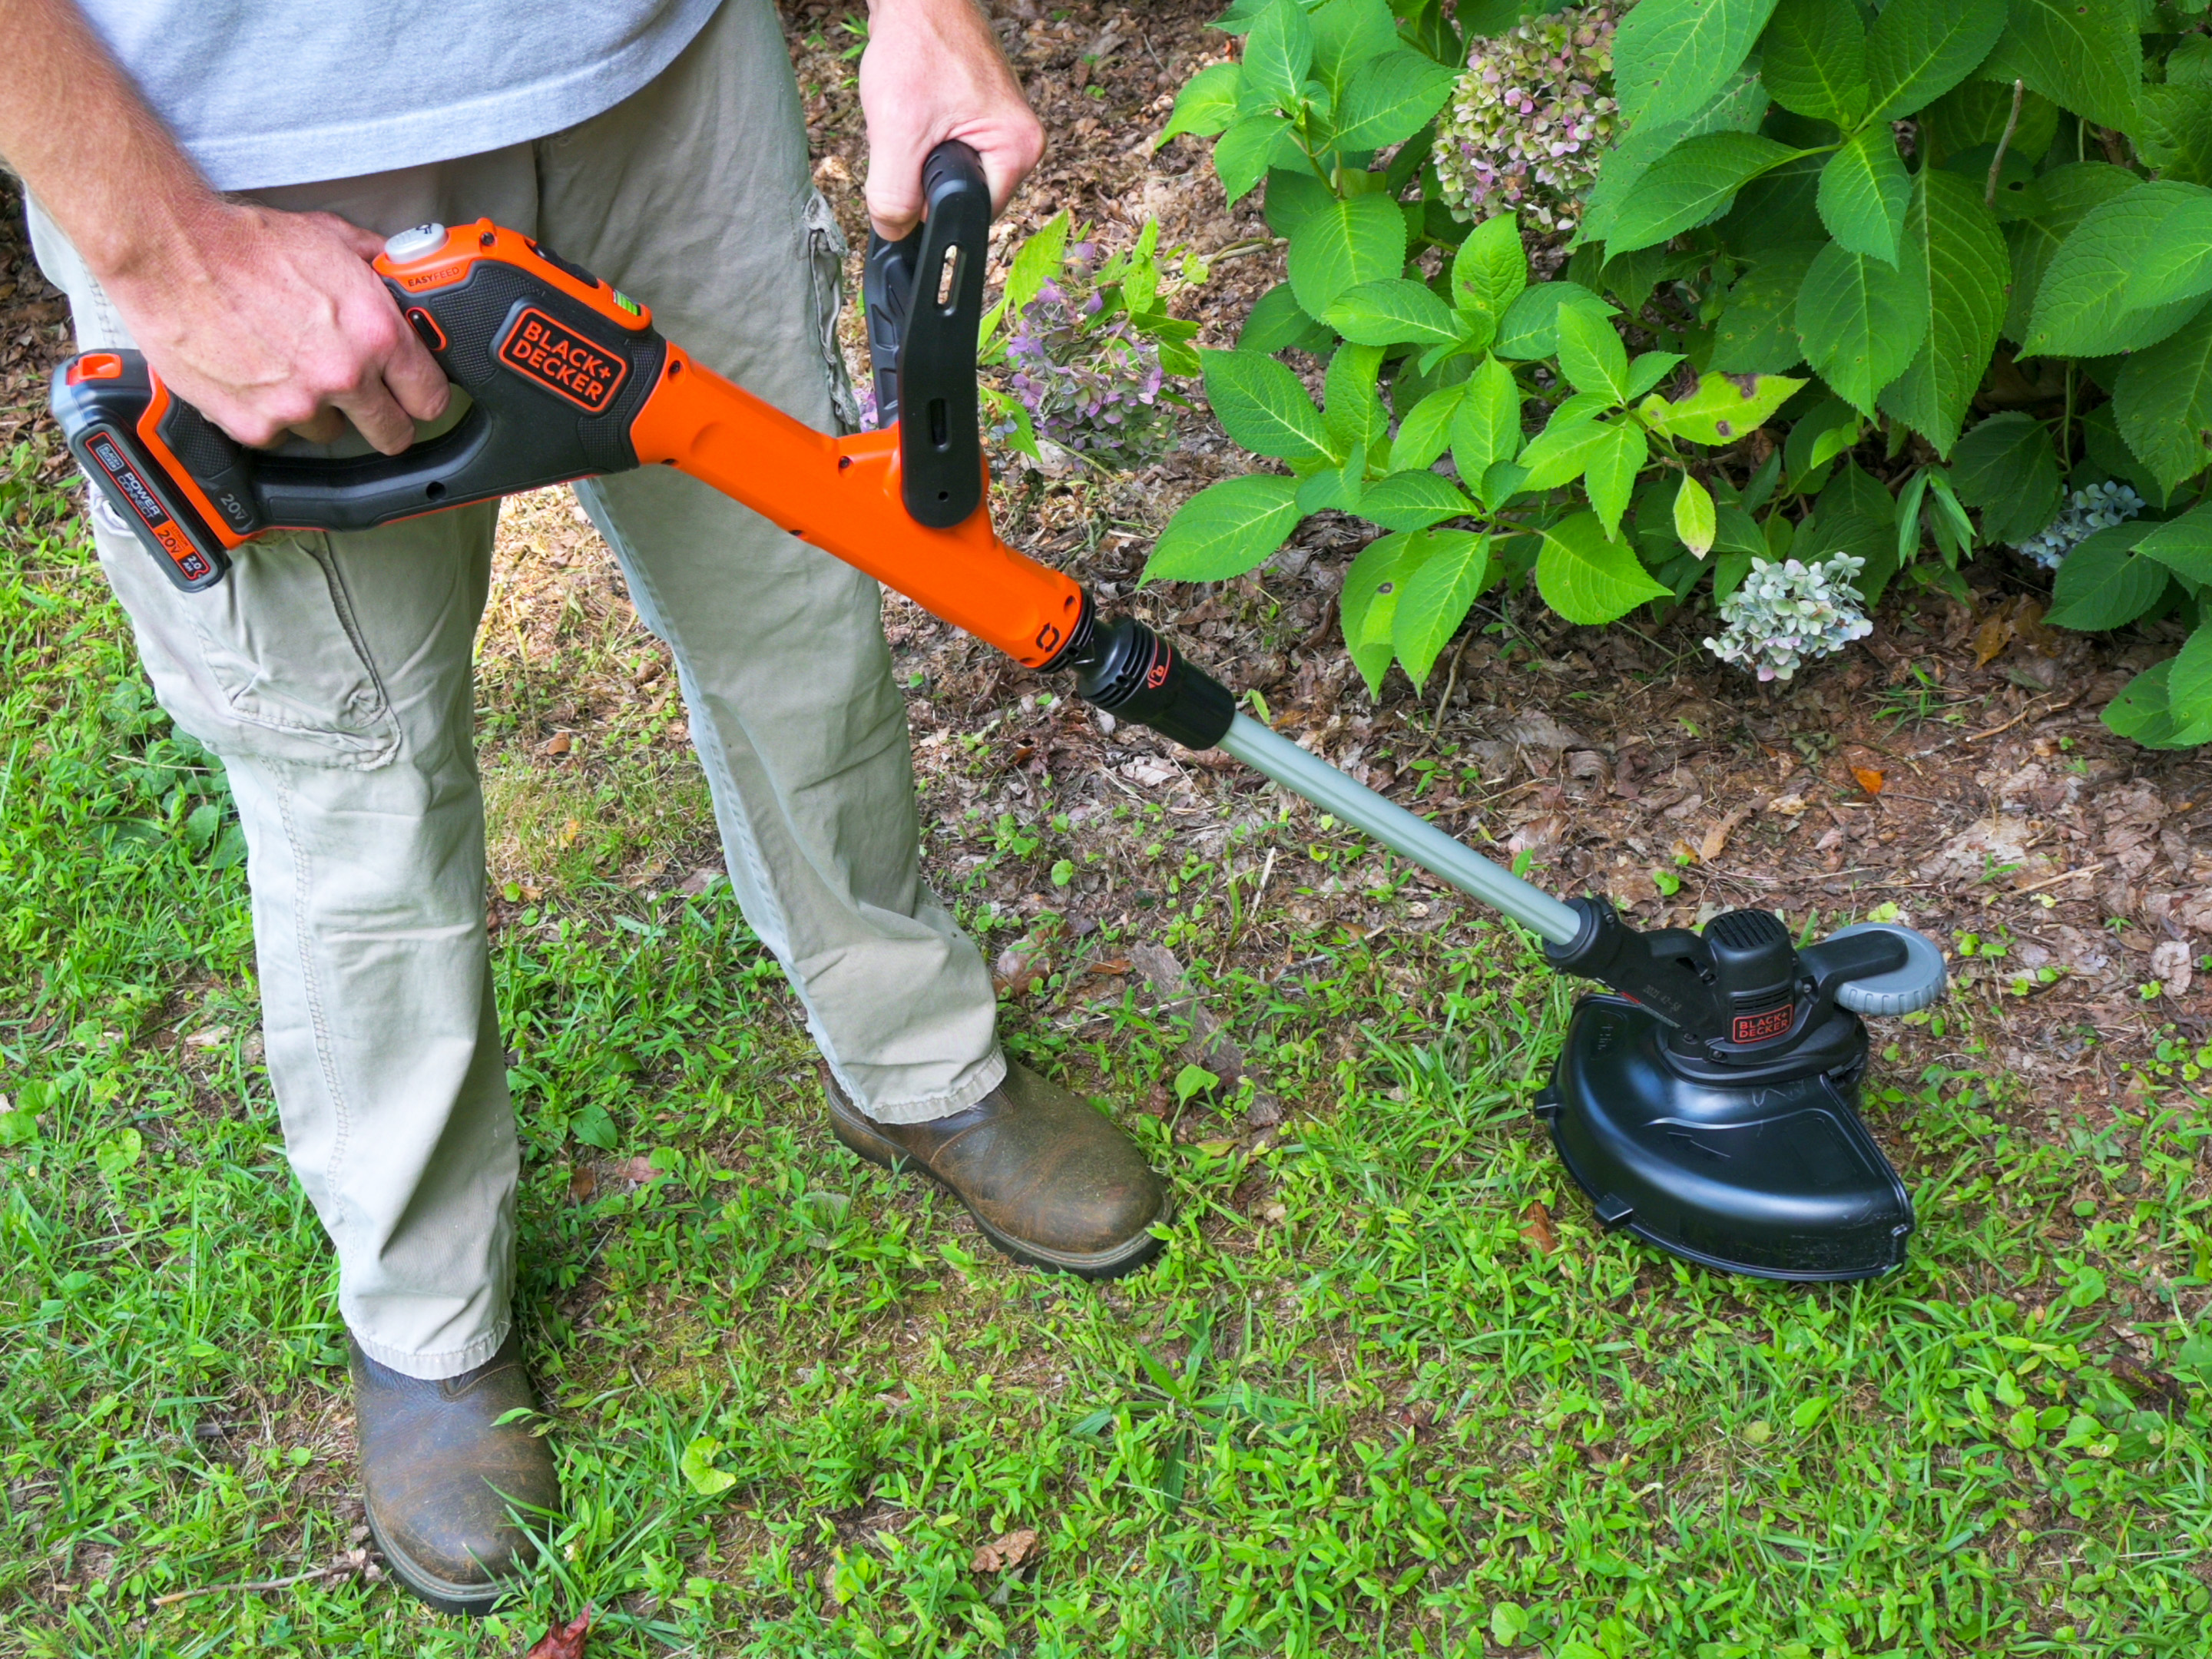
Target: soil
column 1953, row 766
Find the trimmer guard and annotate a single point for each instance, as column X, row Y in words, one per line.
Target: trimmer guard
column 1778, row 1181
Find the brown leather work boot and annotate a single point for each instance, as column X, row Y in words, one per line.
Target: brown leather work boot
column 439, row 1474
column 1049, row 1180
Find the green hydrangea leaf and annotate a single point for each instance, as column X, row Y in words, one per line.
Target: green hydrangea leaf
column 1261, row 405
column 1392, row 311
column 1206, row 104
column 2104, row 582
column 1694, row 523
column 1609, row 473
column 1592, row 357
column 2162, row 403
column 2183, row 545
column 1954, row 257
column 1864, row 191
column 1343, row 244
column 1813, row 58
column 1485, row 426
column 1278, row 53
column 1436, row 599
column 1757, row 334
column 1490, row 269
column 1390, row 99
column 1670, row 56
column 1225, row 529
column 1691, row 183
column 1918, row 49
column 1276, row 324
column 2083, row 55
column 1367, row 603
column 2177, row 265
column 1529, row 328
column 1347, row 34
column 2067, row 193
column 1412, row 501
column 2082, row 307
column 2006, row 469
column 1589, row 578
column 1426, row 433
column 1859, row 323
column 1354, row 415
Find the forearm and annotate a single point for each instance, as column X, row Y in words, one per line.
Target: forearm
column 73, row 125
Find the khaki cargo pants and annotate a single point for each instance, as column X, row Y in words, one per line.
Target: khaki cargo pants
column 332, row 673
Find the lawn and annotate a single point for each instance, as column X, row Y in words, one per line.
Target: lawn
column 1389, row 1389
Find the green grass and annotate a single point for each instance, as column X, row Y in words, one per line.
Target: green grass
column 1355, row 1409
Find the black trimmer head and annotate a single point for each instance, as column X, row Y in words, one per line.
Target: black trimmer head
column 1711, row 1107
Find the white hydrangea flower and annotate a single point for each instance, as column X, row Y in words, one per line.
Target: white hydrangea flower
column 1529, row 118
column 2099, row 507
column 1783, row 616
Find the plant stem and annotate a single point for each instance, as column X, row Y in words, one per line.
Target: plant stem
column 2012, row 125
column 2066, row 427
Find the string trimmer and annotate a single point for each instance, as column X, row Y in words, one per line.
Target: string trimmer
column 1708, row 1104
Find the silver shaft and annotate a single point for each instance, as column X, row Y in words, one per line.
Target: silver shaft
column 1332, row 791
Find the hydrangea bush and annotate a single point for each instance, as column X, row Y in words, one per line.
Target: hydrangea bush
column 1080, row 349
column 1785, row 614
column 1819, row 217
column 1530, row 120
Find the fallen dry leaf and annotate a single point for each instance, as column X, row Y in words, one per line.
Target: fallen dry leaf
column 1992, row 636
column 1717, row 838
column 2171, row 963
column 1868, row 779
column 214, row 1037
column 564, row 1641
column 559, row 744
column 640, row 1170
column 1789, row 805
column 1537, row 1231
column 1008, row 1550
column 1017, row 970
column 583, row 1182
column 571, row 831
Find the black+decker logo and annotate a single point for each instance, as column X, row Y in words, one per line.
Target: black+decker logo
column 1756, row 1028
column 559, row 358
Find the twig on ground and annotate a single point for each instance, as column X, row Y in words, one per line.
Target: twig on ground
column 1996, row 731
column 346, row 1566
column 2053, row 881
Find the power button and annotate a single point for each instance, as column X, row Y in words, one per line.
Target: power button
column 414, row 244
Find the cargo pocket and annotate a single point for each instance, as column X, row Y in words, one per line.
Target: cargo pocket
column 826, row 249
column 267, row 665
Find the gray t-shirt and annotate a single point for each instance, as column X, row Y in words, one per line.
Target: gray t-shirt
column 262, row 93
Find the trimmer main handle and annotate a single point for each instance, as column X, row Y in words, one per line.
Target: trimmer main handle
column 567, row 379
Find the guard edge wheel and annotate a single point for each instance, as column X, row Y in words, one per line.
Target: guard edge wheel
column 1904, row 990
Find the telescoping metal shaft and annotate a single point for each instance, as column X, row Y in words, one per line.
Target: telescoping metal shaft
column 1333, row 791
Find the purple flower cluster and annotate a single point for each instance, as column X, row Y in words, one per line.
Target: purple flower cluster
column 1090, row 383
column 1530, row 120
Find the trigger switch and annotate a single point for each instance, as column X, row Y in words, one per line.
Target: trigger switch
column 414, row 244
column 426, row 325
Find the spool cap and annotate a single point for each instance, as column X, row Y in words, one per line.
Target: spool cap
column 1904, row 990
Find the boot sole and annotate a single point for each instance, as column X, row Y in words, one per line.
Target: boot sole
column 862, row 1142
column 465, row 1601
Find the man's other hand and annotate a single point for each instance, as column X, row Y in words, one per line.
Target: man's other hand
column 269, row 323
column 932, row 71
